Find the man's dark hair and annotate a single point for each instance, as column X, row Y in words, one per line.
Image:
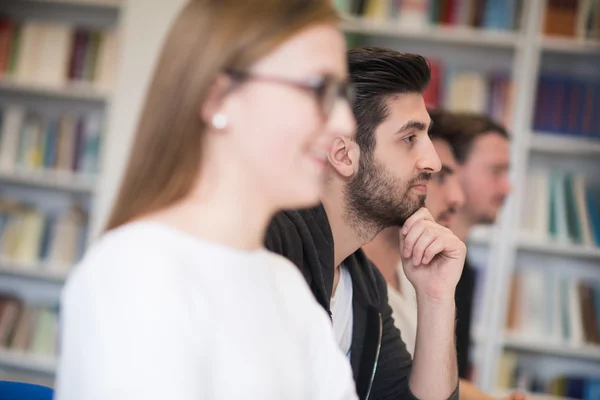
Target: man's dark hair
column 460, row 129
column 379, row 74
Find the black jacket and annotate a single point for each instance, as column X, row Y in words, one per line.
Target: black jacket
column 464, row 308
column 380, row 362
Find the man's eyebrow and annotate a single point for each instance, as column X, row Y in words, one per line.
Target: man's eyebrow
column 418, row 125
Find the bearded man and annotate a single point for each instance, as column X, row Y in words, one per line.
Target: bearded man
column 378, row 179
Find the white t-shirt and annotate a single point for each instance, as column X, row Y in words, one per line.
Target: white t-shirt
column 404, row 309
column 153, row 313
column 341, row 311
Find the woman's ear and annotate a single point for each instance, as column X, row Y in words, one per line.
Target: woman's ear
column 213, row 111
column 344, row 155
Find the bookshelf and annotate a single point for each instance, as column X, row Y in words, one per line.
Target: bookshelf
column 526, row 55
column 569, row 46
column 50, row 180
column 71, row 92
column 27, row 362
column 55, row 95
column 560, row 144
column 586, row 352
column 568, row 250
column 111, row 4
column 459, row 35
column 36, row 272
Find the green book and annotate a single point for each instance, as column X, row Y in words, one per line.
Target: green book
column 551, row 197
column 15, row 49
column 573, row 225
column 91, row 56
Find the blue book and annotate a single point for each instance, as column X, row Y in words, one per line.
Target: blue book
column 591, row 390
column 499, row 14
column 586, row 111
column 594, row 214
column 49, row 222
column 50, row 141
column 575, row 387
column 596, row 123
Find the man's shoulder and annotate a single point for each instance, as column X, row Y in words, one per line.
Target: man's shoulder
column 284, row 231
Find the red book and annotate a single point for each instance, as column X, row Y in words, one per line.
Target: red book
column 432, row 94
column 7, row 29
column 78, row 51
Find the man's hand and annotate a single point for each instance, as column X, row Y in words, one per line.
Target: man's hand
column 432, row 256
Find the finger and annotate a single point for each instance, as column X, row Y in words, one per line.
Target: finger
column 421, row 214
column 412, row 236
column 437, row 246
column 429, row 236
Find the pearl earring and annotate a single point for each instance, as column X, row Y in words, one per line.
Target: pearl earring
column 219, row 121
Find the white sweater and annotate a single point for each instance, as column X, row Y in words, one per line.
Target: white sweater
column 153, row 313
column 404, row 309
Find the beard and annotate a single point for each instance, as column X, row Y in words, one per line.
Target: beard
column 375, row 199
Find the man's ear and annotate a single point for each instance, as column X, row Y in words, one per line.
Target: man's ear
column 215, row 98
column 344, row 155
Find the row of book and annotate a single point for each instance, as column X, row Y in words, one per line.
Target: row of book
column 567, row 105
column 32, row 239
column 563, row 208
column 573, row 18
column 553, row 308
column 471, row 91
column 55, row 54
column 512, row 377
column 485, row 14
column 31, row 141
column 28, row 328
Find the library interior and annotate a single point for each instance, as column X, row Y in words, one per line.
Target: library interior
column 73, row 81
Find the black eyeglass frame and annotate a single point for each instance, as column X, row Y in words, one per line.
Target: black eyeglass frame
column 327, row 89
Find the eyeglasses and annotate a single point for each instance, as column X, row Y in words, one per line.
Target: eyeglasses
column 327, row 89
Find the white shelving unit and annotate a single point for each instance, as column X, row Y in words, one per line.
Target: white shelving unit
column 569, row 46
column 525, row 53
column 27, row 362
column 559, row 144
column 36, row 272
column 50, row 180
column 39, row 283
column 88, row 3
column 73, row 92
column 586, row 352
column 459, row 35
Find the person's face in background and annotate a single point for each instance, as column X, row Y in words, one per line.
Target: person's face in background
column 283, row 136
column 391, row 183
column 445, row 194
column 484, row 177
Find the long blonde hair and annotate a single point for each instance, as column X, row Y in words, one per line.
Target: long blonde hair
column 207, row 37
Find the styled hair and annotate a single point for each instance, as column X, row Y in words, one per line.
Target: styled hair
column 461, row 129
column 378, row 75
column 207, row 38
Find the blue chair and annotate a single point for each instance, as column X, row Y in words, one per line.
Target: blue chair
column 24, row 391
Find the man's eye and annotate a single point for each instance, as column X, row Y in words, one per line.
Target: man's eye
column 439, row 178
column 409, row 139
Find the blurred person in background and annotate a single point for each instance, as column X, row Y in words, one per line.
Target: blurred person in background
column 375, row 180
column 444, row 197
column 482, row 150
column 179, row 299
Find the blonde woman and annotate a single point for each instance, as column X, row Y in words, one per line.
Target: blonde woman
column 179, row 299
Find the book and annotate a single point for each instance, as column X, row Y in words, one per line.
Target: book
column 484, row 14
